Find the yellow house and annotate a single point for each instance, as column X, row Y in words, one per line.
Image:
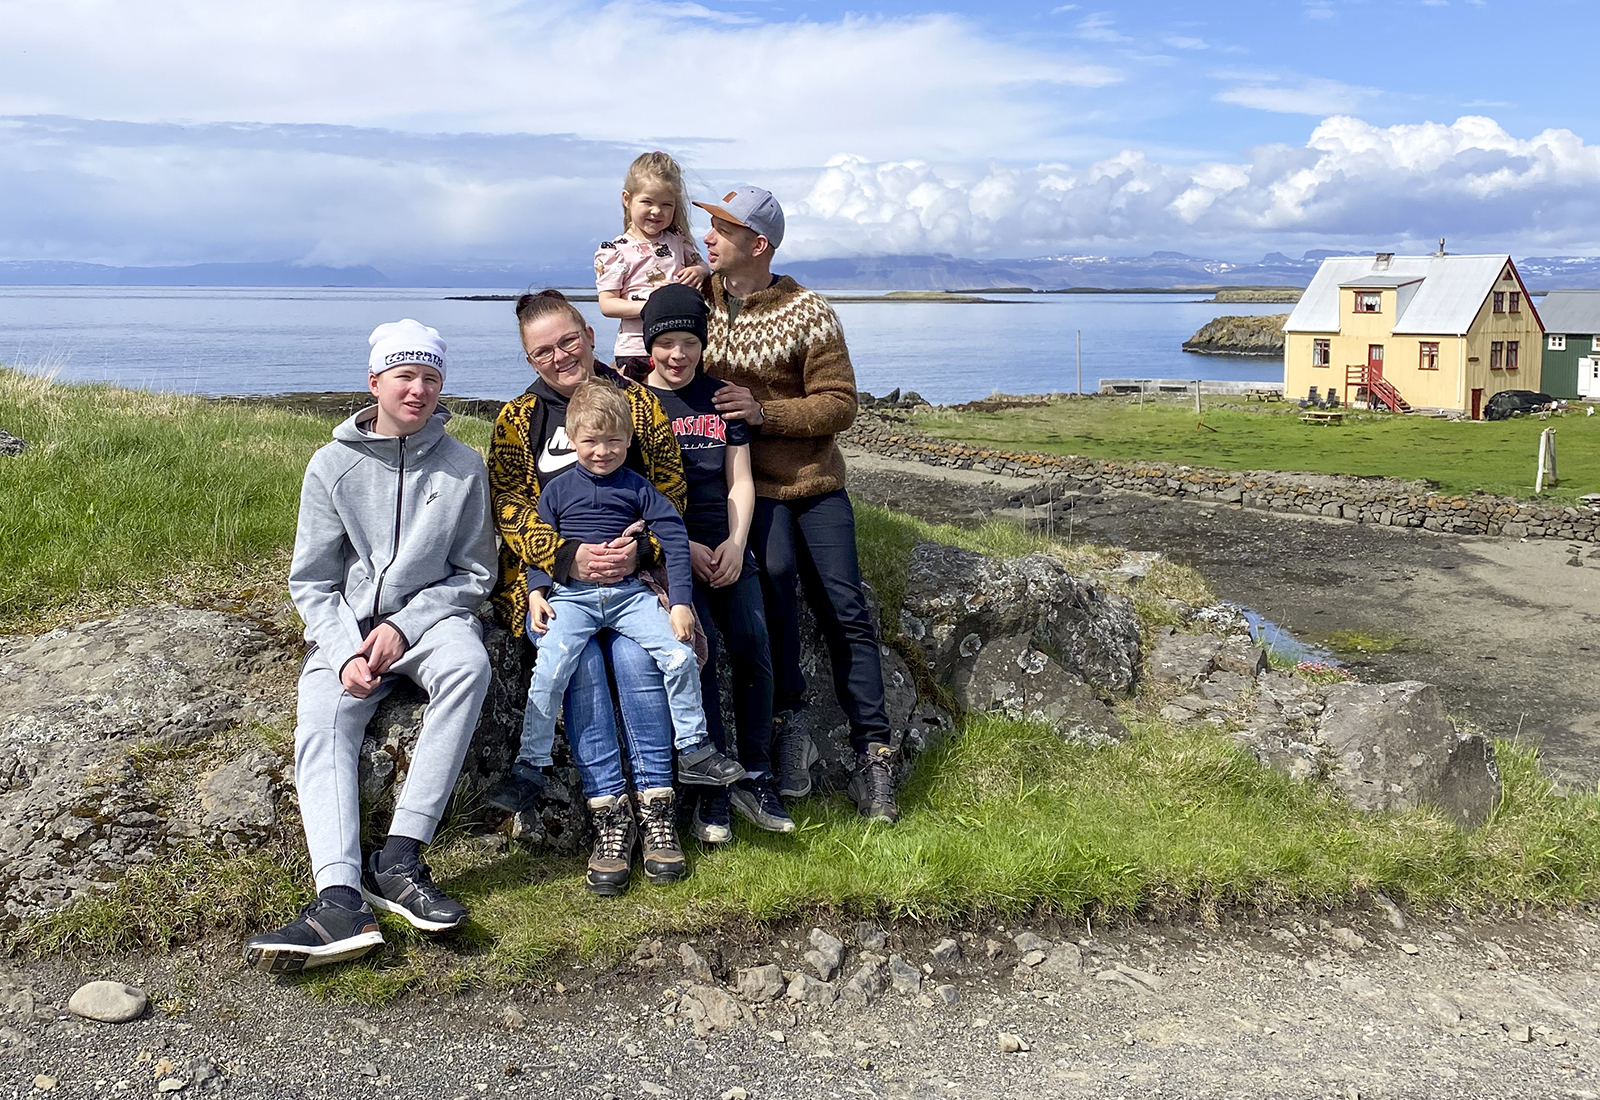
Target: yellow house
column 1434, row 332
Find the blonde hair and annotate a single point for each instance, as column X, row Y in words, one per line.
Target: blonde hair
column 660, row 168
column 600, row 406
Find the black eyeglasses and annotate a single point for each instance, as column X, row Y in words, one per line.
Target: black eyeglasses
column 570, row 344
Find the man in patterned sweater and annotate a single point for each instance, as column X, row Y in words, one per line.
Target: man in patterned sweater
column 783, row 351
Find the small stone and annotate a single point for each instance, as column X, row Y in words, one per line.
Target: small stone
column 1556, row 1039
column 949, row 994
column 1286, row 937
column 1034, row 958
column 735, row 1093
column 368, row 1069
column 172, row 1084
column 1520, row 1033
column 44, row 1083
column 1143, row 977
column 1012, row 1044
column 108, row 1002
column 806, row 989
column 946, row 950
column 826, row 955
column 871, row 937
column 993, row 948
column 513, row 1018
column 759, row 983
column 1409, row 948
column 1030, row 941
column 775, row 1036
column 694, row 967
column 1064, row 961
column 1348, row 938
column 903, row 976
column 654, row 1089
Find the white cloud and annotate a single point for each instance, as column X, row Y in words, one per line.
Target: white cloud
column 1470, row 181
column 1100, row 27
column 1185, row 42
column 1314, row 97
column 757, row 94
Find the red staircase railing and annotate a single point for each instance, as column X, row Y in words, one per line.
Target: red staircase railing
column 1370, row 376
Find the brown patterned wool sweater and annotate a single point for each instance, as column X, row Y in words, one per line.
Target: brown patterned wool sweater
column 525, row 539
column 786, row 346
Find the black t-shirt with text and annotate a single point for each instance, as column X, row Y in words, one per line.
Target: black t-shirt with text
column 704, row 436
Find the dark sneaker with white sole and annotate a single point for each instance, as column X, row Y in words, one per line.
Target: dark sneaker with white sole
column 758, row 803
column 705, row 766
column 519, row 792
column 323, row 933
column 872, row 785
column 713, row 818
column 795, row 752
column 407, row 890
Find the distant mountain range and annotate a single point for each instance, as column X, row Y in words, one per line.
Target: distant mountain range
column 1164, row 270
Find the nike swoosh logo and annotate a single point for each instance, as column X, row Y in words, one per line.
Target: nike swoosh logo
column 555, row 450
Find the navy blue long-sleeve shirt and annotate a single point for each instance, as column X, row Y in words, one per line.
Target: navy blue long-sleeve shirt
column 593, row 509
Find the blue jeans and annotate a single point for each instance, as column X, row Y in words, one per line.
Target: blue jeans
column 738, row 612
column 580, row 611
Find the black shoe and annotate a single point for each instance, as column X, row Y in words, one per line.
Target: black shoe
column 758, row 803
column 323, row 933
column 872, row 785
column 658, row 836
column 704, row 766
column 519, row 792
column 407, row 890
column 794, row 753
column 713, row 818
column 615, row 834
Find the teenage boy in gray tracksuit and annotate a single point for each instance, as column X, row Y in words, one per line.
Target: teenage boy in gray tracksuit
column 394, row 552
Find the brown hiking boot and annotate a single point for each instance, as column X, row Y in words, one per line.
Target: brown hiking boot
column 615, row 834
column 872, row 785
column 658, row 829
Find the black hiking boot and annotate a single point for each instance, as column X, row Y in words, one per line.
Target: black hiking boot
column 615, row 834
column 758, row 803
column 407, row 890
column 704, row 766
column 794, row 753
column 518, row 793
column 658, row 836
column 323, row 933
column 872, row 785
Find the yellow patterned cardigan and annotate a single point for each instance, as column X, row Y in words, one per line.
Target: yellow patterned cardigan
column 525, row 539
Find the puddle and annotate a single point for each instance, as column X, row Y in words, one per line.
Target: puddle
column 1284, row 645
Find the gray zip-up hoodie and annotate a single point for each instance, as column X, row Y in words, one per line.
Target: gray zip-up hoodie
column 391, row 530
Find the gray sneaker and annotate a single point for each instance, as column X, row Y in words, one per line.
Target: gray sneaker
column 794, row 753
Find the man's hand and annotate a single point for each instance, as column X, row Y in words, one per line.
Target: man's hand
column 738, row 403
column 357, row 678
column 727, row 563
column 682, row 616
column 702, row 559
column 539, row 612
column 693, row 276
column 382, row 648
column 606, row 563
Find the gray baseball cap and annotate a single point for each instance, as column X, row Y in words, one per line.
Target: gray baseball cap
column 753, row 208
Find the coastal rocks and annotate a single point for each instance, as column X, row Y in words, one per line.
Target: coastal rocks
column 11, row 444
column 957, row 602
column 1397, row 750
column 108, row 1002
column 1012, row 678
column 1259, row 335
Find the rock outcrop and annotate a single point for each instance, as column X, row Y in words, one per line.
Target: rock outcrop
column 1262, row 335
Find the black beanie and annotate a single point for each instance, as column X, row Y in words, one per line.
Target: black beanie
column 673, row 308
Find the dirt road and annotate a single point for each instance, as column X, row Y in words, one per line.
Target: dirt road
column 1507, row 629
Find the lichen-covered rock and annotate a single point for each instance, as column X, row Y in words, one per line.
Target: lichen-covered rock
column 1184, row 659
column 11, row 444
column 240, row 799
column 957, row 601
column 1397, row 750
column 1012, row 678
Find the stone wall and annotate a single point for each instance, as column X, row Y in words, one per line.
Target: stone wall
column 1387, row 502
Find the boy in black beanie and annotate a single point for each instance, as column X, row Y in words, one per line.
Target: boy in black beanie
column 727, row 590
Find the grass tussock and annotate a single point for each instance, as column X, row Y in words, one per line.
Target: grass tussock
column 1458, row 456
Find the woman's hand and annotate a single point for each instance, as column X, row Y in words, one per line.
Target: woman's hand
column 727, row 563
column 738, row 403
column 606, row 562
column 693, row 276
column 539, row 612
column 682, row 616
column 702, row 561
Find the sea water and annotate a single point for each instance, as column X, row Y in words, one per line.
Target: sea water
column 216, row 340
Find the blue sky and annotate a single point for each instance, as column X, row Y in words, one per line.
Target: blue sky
column 461, row 131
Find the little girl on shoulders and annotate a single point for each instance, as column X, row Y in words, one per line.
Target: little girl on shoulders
column 654, row 249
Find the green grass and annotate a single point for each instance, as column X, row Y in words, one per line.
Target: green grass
column 126, row 495
column 1458, row 456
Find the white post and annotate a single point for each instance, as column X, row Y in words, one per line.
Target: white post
column 1547, row 460
column 1197, row 397
column 1080, row 361
column 1555, row 479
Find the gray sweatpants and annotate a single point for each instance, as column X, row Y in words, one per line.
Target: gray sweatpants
column 450, row 664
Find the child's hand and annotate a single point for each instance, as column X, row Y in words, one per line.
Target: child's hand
column 727, row 563
column 693, row 276
column 540, row 613
column 702, row 559
column 682, row 616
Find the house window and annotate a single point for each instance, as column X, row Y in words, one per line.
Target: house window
column 1511, row 355
column 1499, row 301
column 1496, row 353
column 1319, row 353
column 1594, row 343
column 1558, row 343
column 1516, row 301
column 1429, row 359
column 1368, row 301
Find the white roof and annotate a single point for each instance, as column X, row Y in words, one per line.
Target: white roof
column 1444, row 302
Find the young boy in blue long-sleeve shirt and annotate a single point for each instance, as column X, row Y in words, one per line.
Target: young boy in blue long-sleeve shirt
column 595, row 501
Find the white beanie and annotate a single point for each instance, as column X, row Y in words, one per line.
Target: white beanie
column 405, row 341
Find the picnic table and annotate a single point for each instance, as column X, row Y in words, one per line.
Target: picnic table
column 1263, row 395
column 1330, row 416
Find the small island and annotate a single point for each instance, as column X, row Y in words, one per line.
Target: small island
column 1262, row 335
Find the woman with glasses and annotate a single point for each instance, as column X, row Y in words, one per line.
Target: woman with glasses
column 530, row 446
